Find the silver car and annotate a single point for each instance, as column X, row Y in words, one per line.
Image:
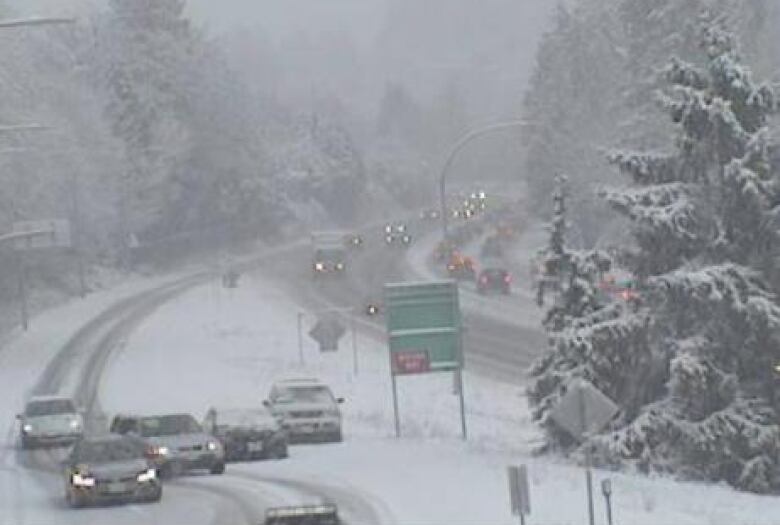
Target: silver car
column 177, row 443
column 306, row 409
column 50, row 421
column 110, row 469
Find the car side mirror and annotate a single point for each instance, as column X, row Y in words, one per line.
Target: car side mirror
column 340, row 400
column 18, row 416
column 266, row 403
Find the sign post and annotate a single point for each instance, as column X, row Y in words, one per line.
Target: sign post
column 32, row 235
column 606, row 490
column 425, row 334
column 519, row 494
column 582, row 411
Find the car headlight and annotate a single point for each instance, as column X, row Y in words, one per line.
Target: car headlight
column 212, row 446
column 75, row 424
column 319, row 267
column 339, row 266
column 158, row 451
column 27, row 428
column 82, row 480
column 147, row 476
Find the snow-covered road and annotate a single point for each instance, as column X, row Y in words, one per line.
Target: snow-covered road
column 216, row 346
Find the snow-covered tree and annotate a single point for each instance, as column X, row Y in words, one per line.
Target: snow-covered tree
column 586, row 331
column 703, row 219
column 319, row 169
column 147, row 45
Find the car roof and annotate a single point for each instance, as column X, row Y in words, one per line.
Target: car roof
column 102, row 438
column 150, row 416
column 299, row 381
column 41, row 399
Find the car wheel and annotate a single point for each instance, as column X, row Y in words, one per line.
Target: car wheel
column 166, row 471
column 279, row 452
column 73, row 501
column 156, row 496
column 218, row 468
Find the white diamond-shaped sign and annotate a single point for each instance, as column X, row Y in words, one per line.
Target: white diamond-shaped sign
column 584, row 409
column 327, row 333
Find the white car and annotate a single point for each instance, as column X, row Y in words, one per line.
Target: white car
column 306, row 409
column 50, row 420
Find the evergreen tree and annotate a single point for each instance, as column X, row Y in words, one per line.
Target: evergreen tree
column 701, row 216
column 587, row 332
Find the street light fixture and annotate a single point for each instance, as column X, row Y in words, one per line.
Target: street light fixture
column 457, row 147
column 35, row 21
column 18, row 128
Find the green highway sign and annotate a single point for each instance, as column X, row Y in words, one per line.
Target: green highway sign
column 424, row 334
column 424, row 318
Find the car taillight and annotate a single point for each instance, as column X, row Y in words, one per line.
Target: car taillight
column 507, row 278
column 483, row 279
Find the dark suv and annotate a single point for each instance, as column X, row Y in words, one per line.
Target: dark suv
column 494, row 279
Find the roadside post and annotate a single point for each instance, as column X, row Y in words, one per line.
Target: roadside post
column 34, row 235
column 519, row 494
column 606, row 490
column 582, row 411
column 424, row 329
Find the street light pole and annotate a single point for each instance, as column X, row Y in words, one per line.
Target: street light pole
column 22, row 268
column 457, row 147
column 35, row 21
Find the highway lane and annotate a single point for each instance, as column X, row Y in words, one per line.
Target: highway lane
column 494, row 348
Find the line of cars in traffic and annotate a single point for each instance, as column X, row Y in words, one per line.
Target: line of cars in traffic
column 128, row 461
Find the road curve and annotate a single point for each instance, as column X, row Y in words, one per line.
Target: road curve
column 87, row 353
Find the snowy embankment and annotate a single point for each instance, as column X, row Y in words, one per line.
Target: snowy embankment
column 225, row 347
column 32, row 497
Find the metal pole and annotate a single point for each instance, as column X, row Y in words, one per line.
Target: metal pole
column 23, row 290
column 608, row 499
column 354, row 345
column 462, row 405
column 78, row 237
column 28, row 22
column 300, row 337
column 588, row 473
column 395, row 406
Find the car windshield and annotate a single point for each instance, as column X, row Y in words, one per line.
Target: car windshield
column 108, row 451
column 247, row 417
column 50, row 407
column 169, row 425
column 304, row 394
column 329, row 254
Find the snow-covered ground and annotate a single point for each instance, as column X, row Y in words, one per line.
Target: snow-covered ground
column 27, row 496
column 214, row 346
